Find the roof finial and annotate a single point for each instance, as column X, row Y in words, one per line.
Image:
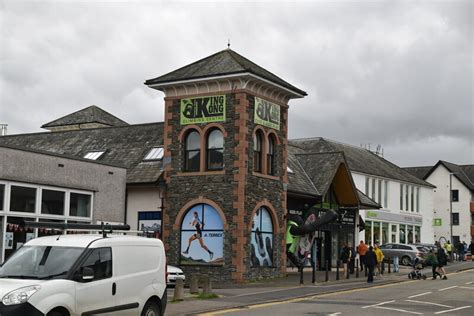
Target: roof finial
column 228, row 43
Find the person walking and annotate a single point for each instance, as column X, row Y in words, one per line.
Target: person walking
column 346, row 255
column 449, row 249
column 370, row 262
column 379, row 256
column 460, row 250
column 362, row 250
column 432, row 260
column 352, row 258
column 442, row 260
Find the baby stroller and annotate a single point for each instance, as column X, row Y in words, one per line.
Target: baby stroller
column 416, row 273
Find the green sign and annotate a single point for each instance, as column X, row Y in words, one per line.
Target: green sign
column 267, row 113
column 203, row 110
column 437, row 222
column 371, row 214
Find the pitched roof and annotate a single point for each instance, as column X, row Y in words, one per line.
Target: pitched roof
column 225, row 62
column 124, row 146
column 464, row 173
column 359, row 159
column 298, row 180
column 419, row 172
column 90, row 114
column 366, row 202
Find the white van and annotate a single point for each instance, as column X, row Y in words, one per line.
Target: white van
column 85, row 275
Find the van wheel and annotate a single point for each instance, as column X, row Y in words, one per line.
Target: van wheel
column 58, row 312
column 151, row 309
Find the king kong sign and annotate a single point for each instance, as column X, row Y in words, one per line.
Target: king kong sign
column 203, row 110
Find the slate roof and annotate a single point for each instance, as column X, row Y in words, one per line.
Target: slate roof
column 359, row 159
column 464, row 173
column 299, row 181
column 90, row 114
column 124, row 146
column 225, row 62
column 366, row 202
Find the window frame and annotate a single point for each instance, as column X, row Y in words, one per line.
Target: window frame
column 94, row 154
column 187, row 151
column 253, row 231
column 258, row 138
column 86, row 257
column 271, row 144
column 455, row 218
column 217, row 149
column 154, row 154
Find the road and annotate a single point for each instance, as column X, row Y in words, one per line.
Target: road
column 454, row 296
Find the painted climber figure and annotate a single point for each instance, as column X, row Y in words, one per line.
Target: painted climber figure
column 198, row 224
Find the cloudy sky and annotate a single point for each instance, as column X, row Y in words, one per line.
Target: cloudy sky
column 394, row 73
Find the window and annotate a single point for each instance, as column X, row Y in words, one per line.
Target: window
column 407, row 197
column 412, row 198
column 379, row 197
column 2, row 196
column 385, row 194
column 52, row 202
column 100, row 260
column 417, row 234
column 373, row 189
column 257, row 151
column 394, row 233
column 418, row 199
column 80, row 205
column 215, row 150
column 271, row 155
column 402, row 231
column 94, row 155
column 22, row 199
column 192, row 146
column 455, row 195
column 262, row 239
column 367, row 179
column 456, row 219
column 368, row 232
column 401, row 196
column 202, row 236
column 156, row 153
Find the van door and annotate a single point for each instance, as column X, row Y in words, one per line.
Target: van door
column 97, row 295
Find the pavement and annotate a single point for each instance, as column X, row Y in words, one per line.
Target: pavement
column 286, row 288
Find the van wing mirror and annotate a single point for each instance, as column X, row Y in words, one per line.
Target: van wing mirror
column 87, row 274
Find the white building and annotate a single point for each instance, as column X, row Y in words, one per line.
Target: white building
column 458, row 179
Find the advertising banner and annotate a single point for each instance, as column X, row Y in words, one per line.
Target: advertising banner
column 267, row 114
column 203, row 110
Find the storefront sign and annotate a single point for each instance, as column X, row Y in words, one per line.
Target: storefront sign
column 393, row 217
column 203, row 110
column 267, row 114
column 371, row 214
column 437, row 222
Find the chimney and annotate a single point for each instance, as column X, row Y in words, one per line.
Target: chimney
column 3, row 129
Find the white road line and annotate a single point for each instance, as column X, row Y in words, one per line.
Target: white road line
column 379, row 304
column 398, row 310
column 447, row 288
column 469, row 282
column 466, row 287
column 334, row 314
column 429, row 303
column 452, row 310
column 419, row 294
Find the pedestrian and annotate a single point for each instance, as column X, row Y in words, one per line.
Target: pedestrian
column 433, row 261
column 370, row 262
column 460, row 250
column 379, row 256
column 471, row 249
column 345, row 258
column 442, row 261
column 362, row 250
column 449, row 249
column 352, row 258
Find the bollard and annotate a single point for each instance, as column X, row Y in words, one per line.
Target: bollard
column 357, row 268
column 389, row 260
column 194, row 285
column 337, row 270
column 327, row 272
column 206, row 285
column 178, row 290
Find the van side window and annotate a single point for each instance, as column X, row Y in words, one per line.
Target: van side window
column 100, row 260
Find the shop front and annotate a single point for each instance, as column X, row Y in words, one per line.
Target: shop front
column 384, row 227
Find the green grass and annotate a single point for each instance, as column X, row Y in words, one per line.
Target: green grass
column 206, row 296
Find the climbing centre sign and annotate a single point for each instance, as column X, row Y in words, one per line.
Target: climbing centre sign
column 267, row 114
column 203, row 110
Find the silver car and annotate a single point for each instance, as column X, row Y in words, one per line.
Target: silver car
column 405, row 253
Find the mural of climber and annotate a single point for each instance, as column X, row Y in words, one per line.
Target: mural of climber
column 202, row 236
column 262, row 239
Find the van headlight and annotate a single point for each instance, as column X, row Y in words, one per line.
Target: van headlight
column 20, row 295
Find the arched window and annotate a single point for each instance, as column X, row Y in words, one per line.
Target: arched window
column 257, row 151
column 202, row 236
column 215, row 150
column 271, row 155
column 262, row 239
column 192, row 151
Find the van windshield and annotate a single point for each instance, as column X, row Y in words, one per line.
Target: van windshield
column 40, row 262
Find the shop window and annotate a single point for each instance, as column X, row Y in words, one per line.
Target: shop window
column 192, row 150
column 394, row 234
column 2, row 196
column 417, row 234
column 409, row 234
column 52, row 202
column 368, row 232
column 257, row 151
column 16, row 235
column 262, row 239
column 22, row 199
column 376, row 232
column 455, row 219
column 100, row 260
column 202, row 236
column 271, row 155
column 215, row 150
column 80, row 205
column 455, row 195
column 384, row 233
column 402, row 234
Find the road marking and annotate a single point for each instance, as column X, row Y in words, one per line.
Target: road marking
column 469, row 282
column 452, row 310
column 379, row 304
column 398, row 310
column 429, row 303
column 448, row 288
column 466, row 287
column 334, row 314
column 413, row 296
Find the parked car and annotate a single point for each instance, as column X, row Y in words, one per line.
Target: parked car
column 85, row 274
column 174, row 273
column 428, row 246
column 405, row 253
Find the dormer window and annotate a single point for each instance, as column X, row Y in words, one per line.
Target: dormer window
column 94, row 155
column 156, row 153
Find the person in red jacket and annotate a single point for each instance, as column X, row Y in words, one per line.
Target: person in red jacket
column 362, row 250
